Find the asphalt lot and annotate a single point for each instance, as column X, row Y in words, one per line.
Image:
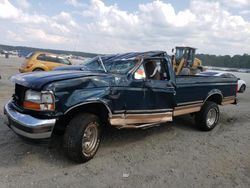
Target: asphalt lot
column 171, row 155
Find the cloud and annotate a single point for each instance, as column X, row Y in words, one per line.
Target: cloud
column 158, row 12
column 24, row 4
column 65, row 18
column 73, row 2
column 76, row 3
column 38, row 28
column 237, row 3
column 204, row 24
column 14, row 36
column 7, row 10
column 41, row 36
column 209, row 26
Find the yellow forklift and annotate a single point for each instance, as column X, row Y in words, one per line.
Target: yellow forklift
column 184, row 58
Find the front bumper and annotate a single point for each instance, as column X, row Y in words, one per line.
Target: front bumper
column 28, row 126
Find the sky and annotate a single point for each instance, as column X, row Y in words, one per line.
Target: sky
column 220, row 27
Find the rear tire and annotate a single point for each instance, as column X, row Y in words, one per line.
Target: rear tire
column 242, row 88
column 37, row 70
column 82, row 137
column 208, row 116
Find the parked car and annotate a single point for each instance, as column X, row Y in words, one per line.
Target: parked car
column 131, row 90
column 241, row 83
column 42, row 61
column 82, row 65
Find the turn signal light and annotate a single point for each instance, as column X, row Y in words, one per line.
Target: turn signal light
column 31, row 105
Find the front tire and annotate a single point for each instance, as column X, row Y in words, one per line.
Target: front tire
column 82, row 137
column 208, row 116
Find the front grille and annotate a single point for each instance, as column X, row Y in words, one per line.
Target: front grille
column 19, row 95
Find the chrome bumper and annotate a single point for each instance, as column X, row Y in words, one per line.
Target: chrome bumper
column 28, row 126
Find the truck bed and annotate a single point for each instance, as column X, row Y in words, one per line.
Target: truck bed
column 192, row 89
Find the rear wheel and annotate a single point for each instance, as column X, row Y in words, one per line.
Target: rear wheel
column 82, row 137
column 242, row 88
column 208, row 117
column 37, row 69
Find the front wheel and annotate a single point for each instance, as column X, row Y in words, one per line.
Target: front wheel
column 82, row 137
column 208, row 117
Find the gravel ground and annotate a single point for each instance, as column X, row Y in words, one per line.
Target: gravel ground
column 171, row 155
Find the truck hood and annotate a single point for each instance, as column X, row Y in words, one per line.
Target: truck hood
column 36, row 80
column 72, row 67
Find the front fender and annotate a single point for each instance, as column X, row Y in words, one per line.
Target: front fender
column 90, row 102
column 72, row 92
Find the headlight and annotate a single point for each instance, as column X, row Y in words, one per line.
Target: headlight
column 42, row 101
column 33, row 96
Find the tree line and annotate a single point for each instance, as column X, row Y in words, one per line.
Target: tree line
column 236, row 61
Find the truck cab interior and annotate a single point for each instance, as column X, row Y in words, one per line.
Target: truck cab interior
column 156, row 69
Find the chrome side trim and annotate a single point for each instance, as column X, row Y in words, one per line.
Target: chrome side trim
column 186, row 103
column 181, row 110
column 143, row 126
column 90, row 102
column 144, row 111
column 139, row 120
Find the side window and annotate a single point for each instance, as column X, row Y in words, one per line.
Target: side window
column 140, row 73
column 41, row 57
column 51, row 59
column 64, row 61
column 156, row 69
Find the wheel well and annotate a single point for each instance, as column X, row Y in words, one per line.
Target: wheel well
column 98, row 109
column 217, row 98
column 38, row 68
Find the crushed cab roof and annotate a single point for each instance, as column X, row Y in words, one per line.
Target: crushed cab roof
column 134, row 55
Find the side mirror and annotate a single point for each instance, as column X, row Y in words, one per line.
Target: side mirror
column 172, row 50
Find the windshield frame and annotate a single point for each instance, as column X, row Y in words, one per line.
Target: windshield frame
column 100, row 59
column 108, row 65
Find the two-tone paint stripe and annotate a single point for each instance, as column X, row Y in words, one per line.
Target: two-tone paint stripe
column 228, row 100
column 140, row 120
column 147, row 118
column 187, row 107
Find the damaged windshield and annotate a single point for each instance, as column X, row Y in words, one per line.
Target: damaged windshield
column 94, row 65
column 105, row 65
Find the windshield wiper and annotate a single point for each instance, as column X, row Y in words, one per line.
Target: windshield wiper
column 100, row 59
